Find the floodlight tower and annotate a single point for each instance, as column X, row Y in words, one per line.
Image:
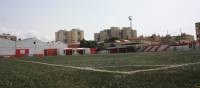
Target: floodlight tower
column 130, row 19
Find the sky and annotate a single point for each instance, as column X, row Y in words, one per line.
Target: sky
column 42, row 18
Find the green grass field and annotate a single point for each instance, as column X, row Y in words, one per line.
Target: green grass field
column 15, row 73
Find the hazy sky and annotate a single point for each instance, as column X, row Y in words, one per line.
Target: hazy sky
column 42, row 18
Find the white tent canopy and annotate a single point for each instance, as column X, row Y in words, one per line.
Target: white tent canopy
column 7, row 47
column 36, row 48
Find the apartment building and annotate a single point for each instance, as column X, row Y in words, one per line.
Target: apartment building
column 8, row 36
column 96, row 36
column 197, row 30
column 61, row 35
column 73, row 36
column 115, row 32
column 128, row 33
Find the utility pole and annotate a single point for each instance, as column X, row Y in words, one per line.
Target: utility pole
column 15, row 46
column 35, row 46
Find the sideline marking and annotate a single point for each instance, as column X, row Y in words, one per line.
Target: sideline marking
column 163, row 68
column 107, row 71
column 74, row 67
column 132, row 66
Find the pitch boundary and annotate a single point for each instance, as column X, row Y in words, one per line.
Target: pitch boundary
column 107, row 71
column 132, row 66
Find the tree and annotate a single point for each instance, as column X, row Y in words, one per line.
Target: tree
column 101, row 46
column 111, row 40
column 88, row 44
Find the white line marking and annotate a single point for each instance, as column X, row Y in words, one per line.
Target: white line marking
column 132, row 66
column 80, row 68
column 107, row 71
column 163, row 68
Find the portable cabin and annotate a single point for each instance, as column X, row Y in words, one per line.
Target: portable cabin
column 60, row 46
column 22, row 52
column 68, row 51
column 87, row 50
column 93, row 51
column 50, row 52
column 81, row 51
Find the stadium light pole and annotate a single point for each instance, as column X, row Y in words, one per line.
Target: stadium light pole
column 130, row 19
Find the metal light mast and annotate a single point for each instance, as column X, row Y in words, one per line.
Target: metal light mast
column 130, row 19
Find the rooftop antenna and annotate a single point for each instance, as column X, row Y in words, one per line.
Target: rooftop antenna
column 130, row 19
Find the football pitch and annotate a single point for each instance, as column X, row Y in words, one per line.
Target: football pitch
column 130, row 70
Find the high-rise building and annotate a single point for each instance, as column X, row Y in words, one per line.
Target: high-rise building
column 105, row 35
column 115, row 32
column 73, row 36
column 61, row 35
column 128, row 33
column 8, row 36
column 96, row 36
column 198, row 30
